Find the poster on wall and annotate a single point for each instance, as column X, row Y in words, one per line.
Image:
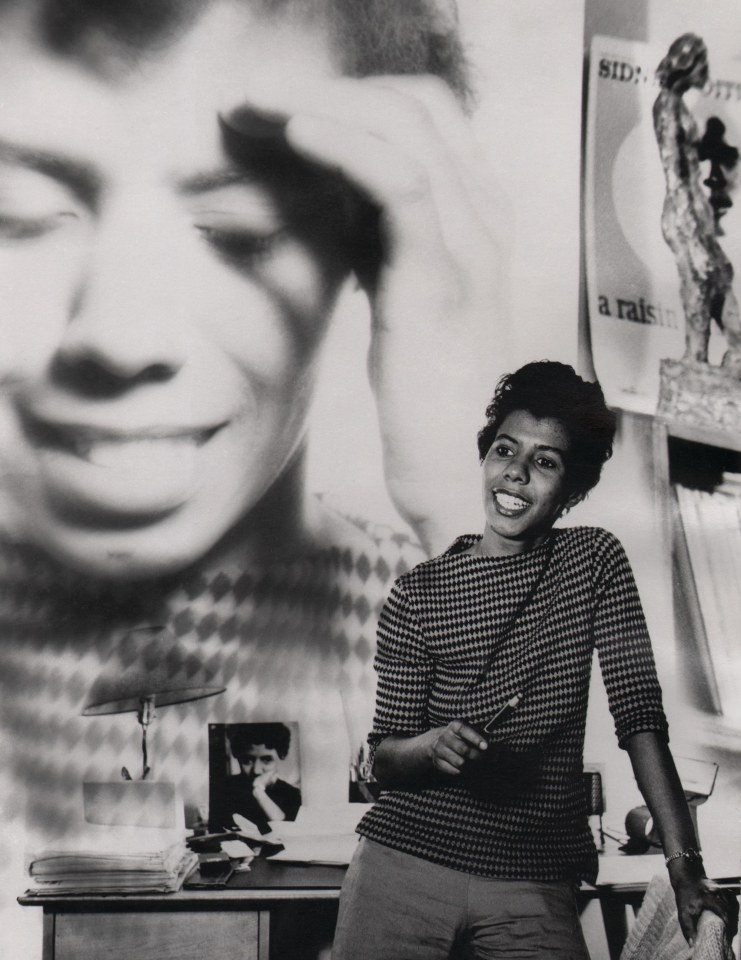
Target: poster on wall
column 189, row 439
column 636, row 314
column 174, row 273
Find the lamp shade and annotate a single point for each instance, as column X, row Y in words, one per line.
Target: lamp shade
column 149, row 664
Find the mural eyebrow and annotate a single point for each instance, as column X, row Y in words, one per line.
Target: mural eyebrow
column 79, row 176
column 204, row 181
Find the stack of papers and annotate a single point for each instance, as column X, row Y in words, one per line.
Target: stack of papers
column 327, row 836
column 112, row 860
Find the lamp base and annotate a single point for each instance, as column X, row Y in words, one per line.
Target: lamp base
column 135, row 803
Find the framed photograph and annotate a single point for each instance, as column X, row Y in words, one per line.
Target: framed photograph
column 254, row 772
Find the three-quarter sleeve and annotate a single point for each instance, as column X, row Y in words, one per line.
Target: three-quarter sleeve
column 624, row 649
column 403, row 667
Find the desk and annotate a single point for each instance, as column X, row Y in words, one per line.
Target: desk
column 234, row 923
column 223, row 924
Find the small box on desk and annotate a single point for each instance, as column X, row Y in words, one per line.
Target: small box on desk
column 213, row 870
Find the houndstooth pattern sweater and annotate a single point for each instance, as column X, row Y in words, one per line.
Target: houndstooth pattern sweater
column 290, row 637
column 440, row 625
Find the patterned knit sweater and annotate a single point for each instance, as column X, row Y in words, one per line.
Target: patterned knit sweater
column 291, row 639
column 443, row 622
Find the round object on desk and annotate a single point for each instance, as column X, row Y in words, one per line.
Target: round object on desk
column 642, row 835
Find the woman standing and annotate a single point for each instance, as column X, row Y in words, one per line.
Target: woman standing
column 482, row 835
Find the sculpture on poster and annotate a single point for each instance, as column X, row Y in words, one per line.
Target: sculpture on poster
column 691, row 389
column 635, row 299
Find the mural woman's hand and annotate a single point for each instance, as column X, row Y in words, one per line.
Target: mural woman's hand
column 438, row 302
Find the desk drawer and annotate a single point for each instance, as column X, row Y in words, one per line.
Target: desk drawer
column 158, row 935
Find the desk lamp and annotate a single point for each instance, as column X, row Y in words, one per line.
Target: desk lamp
column 150, row 669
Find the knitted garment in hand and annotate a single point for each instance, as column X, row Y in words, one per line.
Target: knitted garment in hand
column 437, row 630
column 656, row 934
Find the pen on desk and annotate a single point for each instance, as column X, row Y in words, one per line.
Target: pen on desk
column 502, row 714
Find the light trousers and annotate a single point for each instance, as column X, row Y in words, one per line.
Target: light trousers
column 394, row 906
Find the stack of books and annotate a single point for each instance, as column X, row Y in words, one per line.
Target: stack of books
column 112, row 860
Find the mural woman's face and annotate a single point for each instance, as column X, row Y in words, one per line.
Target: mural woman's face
column 163, row 294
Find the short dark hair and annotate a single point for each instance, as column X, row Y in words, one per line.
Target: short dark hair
column 370, row 36
column 409, row 37
column 274, row 736
column 546, row 388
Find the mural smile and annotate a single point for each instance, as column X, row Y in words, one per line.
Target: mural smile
column 104, row 447
column 97, row 469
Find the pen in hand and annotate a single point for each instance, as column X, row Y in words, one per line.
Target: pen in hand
column 502, row 714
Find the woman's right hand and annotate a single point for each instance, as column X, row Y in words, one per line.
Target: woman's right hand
column 411, row 762
column 454, row 746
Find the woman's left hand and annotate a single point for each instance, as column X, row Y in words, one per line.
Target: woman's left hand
column 695, row 893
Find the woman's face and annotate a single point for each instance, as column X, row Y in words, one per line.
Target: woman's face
column 524, row 482
column 162, row 302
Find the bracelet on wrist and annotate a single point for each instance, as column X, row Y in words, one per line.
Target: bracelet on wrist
column 690, row 853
